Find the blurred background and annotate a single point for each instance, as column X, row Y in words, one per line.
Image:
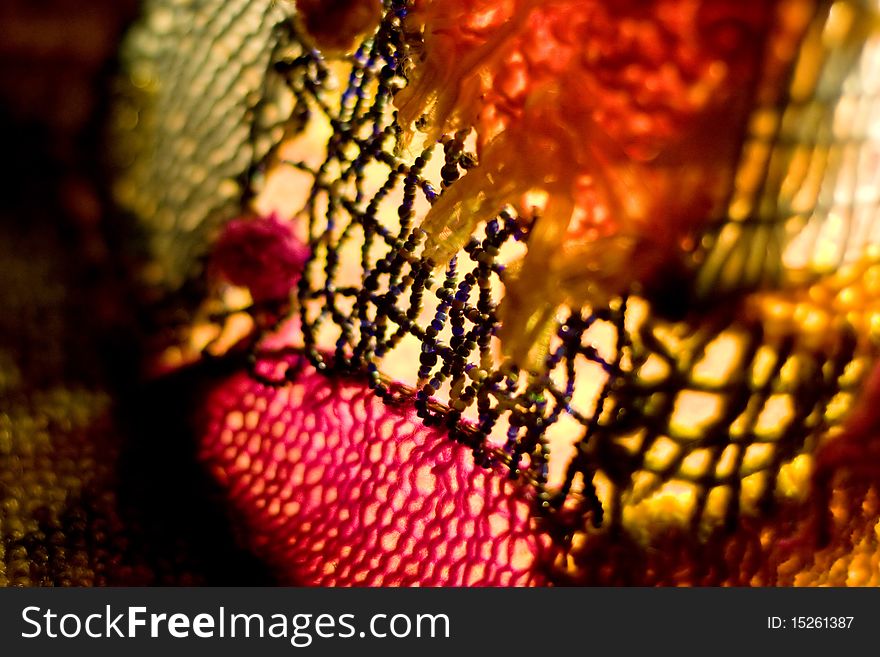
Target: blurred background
column 97, row 479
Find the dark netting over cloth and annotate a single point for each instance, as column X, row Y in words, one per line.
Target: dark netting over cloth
column 684, row 414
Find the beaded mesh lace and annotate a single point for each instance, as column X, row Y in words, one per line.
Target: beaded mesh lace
column 671, row 410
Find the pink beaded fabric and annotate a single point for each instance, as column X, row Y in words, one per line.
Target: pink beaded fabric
column 519, row 292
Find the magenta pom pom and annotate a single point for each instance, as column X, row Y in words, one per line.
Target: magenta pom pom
column 261, row 254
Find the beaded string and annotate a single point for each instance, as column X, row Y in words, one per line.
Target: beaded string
column 397, row 286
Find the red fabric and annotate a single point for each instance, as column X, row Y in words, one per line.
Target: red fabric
column 334, row 487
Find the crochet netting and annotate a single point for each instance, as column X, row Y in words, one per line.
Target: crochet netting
column 385, row 442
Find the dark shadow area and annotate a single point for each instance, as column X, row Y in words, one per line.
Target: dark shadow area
column 99, row 482
column 164, row 490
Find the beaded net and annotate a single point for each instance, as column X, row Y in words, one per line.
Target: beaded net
column 637, row 420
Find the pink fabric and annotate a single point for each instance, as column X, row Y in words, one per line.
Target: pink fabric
column 334, row 487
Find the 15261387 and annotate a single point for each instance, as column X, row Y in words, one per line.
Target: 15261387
column 810, row 622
